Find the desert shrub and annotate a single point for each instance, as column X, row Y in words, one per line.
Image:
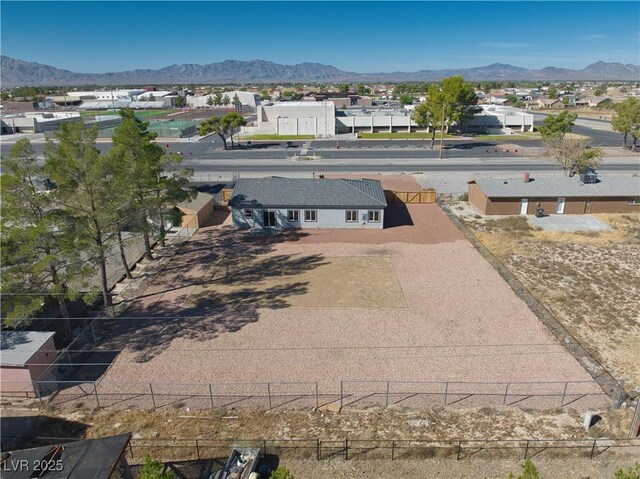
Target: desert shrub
column 632, row 473
column 153, row 469
column 464, row 197
column 529, row 471
column 281, row 473
column 511, row 224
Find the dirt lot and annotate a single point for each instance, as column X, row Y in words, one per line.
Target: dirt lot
column 170, row 435
column 237, row 306
column 589, row 280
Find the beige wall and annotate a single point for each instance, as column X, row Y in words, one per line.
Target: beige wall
column 477, row 198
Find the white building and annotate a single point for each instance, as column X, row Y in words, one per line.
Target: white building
column 375, row 120
column 297, row 118
column 36, row 122
column 107, row 95
column 500, row 119
column 246, row 98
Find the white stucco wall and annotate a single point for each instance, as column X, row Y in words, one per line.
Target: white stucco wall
column 297, row 118
column 326, row 218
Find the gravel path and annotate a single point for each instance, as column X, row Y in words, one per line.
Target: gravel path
column 462, row 322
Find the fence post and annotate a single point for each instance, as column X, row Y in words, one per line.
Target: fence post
column 131, row 450
column 564, row 394
column 393, row 449
column 459, row 449
column 593, row 448
column 317, row 398
column 318, row 449
column 95, row 391
column 387, row 396
column 197, row 449
column 269, row 393
column 341, row 389
column 506, row 393
column 446, row 392
column 153, row 399
column 346, row 449
column 36, row 389
column 93, row 333
column 526, row 449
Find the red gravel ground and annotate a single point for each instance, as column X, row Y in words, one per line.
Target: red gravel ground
column 461, row 322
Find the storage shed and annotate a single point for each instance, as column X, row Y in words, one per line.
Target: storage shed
column 197, row 211
column 25, row 356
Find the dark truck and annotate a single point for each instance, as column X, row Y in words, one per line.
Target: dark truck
column 242, row 464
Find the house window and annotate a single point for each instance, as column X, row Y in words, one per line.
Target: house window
column 248, row 214
column 310, row 215
column 351, row 216
column 634, row 201
column 293, row 215
column 374, row 216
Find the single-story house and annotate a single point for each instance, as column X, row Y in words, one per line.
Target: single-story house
column 286, row 203
column 593, row 101
column 566, row 195
column 197, row 211
column 25, row 356
column 549, row 103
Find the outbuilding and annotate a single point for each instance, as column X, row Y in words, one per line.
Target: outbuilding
column 197, row 211
column 565, row 195
column 303, row 203
column 25, row 357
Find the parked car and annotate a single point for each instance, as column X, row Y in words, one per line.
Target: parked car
column 290, row 144
column 248, row 144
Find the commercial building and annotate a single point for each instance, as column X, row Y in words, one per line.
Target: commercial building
column 566, row 195
column 297, row 118
column 499, row 120
column 303, row 203
column 106, row 94
column 246, row 98
column 36, row 122
column 389, row 120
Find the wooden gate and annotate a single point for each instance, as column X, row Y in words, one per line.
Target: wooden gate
column 411, row 197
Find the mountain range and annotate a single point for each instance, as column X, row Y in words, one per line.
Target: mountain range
column 16, row 72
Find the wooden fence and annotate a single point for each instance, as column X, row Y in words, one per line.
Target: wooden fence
column 410, row 197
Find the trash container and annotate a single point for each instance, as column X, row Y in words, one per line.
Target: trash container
column 539, row 212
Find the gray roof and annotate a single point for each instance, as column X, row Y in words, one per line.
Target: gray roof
column 18, row 346
column 305, row 192
column 197, row 203
column 559, row 187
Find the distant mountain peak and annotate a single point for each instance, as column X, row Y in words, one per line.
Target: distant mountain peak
column 18, row 73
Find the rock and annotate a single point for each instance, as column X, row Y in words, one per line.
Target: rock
column 419, row 423
column 117, row 425
column 154, row 434
column 137, row 436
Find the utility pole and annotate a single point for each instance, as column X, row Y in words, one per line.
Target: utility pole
column 441, row 133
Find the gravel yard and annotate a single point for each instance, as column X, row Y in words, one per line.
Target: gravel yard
column 274, row 317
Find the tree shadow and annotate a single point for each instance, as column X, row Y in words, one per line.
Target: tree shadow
column 214, row 285
column 23, row 432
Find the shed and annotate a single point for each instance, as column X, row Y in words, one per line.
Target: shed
column 101, row 458
column 197, row 211
column 25, row 356
column 291, row 203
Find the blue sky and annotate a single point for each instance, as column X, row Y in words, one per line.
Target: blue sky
column 96, row 37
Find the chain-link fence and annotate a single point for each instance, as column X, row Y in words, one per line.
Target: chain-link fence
column 312, row 395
